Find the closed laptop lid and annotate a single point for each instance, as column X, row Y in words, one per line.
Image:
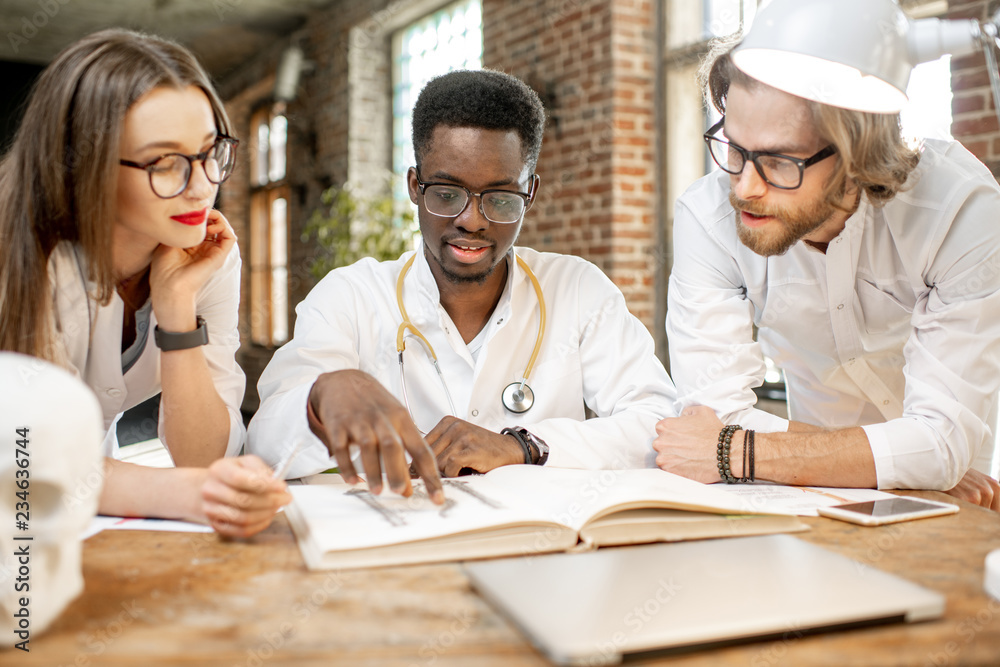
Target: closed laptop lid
column 591, row 608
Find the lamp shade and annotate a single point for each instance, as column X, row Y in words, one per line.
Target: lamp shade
column 855, row 54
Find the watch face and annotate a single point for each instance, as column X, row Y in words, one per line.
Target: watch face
column 539, row 444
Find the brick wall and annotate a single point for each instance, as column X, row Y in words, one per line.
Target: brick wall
column 234, row 202
column 318, row 148
column 974, row 120
column 592, row 61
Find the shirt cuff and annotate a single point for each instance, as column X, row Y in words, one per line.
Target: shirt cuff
column 885, row 464
column 314, row 423
column 278, row 426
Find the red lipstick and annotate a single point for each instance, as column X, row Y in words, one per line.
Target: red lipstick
column 192, row 218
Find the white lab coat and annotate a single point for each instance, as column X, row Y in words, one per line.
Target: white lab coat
column 896, row 328
column 594, row 354
column 89, row 338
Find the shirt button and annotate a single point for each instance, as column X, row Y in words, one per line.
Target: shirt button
column 851, row 360
column 500, row 321
column 475, row 413
column 885, row 402
column 840, row 306
column 114, row 393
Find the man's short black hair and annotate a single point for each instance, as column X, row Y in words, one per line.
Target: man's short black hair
column 484, row 99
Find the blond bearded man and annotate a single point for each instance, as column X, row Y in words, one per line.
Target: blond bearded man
column 872, row 272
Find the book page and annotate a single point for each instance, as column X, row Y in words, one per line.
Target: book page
column 573, row 497
column 342, row 516
column 100, row 523
column 799, row 500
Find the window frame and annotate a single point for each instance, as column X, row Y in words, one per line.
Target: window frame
column 269, row 317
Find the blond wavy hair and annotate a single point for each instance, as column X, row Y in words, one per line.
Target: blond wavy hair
column 871, row 152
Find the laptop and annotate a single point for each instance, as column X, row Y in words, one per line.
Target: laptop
column 592, row 608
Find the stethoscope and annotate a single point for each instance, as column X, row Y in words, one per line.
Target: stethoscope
column 516, row 397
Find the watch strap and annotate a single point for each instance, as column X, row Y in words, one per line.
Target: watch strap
column 541, row 446
column 536, row 451
column 169, row 341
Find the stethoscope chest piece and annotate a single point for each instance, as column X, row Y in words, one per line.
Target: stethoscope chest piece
column 517, row 397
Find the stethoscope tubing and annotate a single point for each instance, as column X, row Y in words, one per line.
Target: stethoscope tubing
column 518, row 401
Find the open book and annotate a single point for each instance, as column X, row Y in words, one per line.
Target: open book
column 515, row 510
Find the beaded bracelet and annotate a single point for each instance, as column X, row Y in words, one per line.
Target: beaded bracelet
column 722, row 452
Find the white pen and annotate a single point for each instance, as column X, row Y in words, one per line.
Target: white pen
column 284, row 464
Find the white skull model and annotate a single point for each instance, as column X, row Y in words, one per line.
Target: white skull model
column 51, row 474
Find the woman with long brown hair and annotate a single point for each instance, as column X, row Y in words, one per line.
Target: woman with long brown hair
column 114, row 265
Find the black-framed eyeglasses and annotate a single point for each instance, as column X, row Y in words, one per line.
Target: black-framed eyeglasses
column 782, row 171
column 449, row 201
column 170, row 174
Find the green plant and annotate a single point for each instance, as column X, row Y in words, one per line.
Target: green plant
column 348, row 227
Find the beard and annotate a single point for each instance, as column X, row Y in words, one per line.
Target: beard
column 456, row 278
column 788, row 227
column 468, row 278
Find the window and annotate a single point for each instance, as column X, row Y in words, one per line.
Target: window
column 928, row 112
column 724, row 17
column 448, row 39
column 721, row 18
column 268, row 228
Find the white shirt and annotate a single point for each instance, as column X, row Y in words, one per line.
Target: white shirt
column 896, row 328
column 90, row 338
column 594, row 354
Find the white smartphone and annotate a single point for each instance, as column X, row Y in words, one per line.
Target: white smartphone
column 887, row 510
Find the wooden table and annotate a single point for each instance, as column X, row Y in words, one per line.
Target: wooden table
column 192, row 599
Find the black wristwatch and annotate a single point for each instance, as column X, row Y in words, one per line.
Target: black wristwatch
column 168, row 341
column 536, row 452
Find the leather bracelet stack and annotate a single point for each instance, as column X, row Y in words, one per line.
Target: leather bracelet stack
column 528, row 458
column 536, row 452
column 723, row 454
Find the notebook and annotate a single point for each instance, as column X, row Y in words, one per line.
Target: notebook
column 593, row 608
